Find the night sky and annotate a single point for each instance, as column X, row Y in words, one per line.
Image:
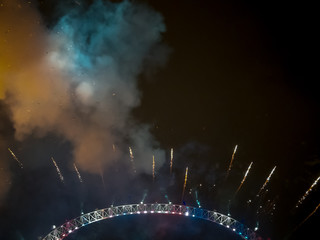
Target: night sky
column 82, row 81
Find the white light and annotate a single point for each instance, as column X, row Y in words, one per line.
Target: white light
column 54, row 226
column 187, row 213
column 234, row 229
column 70, row 231
column 145, row 212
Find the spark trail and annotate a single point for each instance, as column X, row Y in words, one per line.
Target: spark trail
column 58, row 170
column 185, row 184
column 131, row 159
column 197, row 200
column 244, row 178
column 307, row 192
column 267, row 180
column 313, row 212
column 171, row 160
column 232, row 158
column 15, row 158
column 153, row 166
column 77, row 171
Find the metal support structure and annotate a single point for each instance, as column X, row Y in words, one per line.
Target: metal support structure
column 69, row 227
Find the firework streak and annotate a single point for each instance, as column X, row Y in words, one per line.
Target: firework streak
column 244, row 178
column 114, row 148
column 78, row 173
column 267, row 180
column 307, row 192
column 171, row 160
column 15, row 158
column 132, row 161
column 58, row 170
column 230, row 165
column 313, row 212
column 153, row 165
column 185, row 183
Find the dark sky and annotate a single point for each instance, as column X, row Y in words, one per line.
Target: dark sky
column 235, row 74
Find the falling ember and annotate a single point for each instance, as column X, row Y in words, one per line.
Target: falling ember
column 131, row 159
column 15, row 157
column 102, row 179
column 233, row 154
column 244, row 178
column 313, row 212
column 307, row 192
column 153, row 165
column 171, row 160
column 58, row 170
column 185, row 183
column 77, row 171
column 267, row 180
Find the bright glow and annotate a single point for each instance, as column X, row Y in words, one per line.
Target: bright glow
column 187, row 213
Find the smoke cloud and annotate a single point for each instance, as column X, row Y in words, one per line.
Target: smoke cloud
column 78, row 80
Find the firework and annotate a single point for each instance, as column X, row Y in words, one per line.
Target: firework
column 185, row 183
column 15, row 158
column 307, row 192
column 77, row 171
column 153, row 165
column 197, row 200
column 102, row 179
column 131, row 159
column 230, row 165
column 244, row 178
column 313, row 212
column 58, row 170
column 267, row 180
column 171, row 160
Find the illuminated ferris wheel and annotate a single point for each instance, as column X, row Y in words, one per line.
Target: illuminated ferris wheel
column 156, row 208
